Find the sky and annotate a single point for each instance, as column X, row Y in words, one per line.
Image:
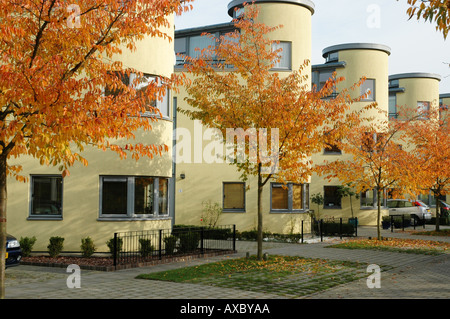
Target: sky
column 415, row 45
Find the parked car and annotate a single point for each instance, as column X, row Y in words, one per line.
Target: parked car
column 445, row 208
column 13, row 251
column 418, row 213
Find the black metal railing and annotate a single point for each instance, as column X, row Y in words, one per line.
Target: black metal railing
column 147, row 246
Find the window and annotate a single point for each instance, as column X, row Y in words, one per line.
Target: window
column 394, row 84
column 46, row 196
column 180, row 50
column 368, row 199
column 123, row 196
column 284, row 62
column 198, row 43
column 162, row 104
column 368, row 89
column 233, row 197
column 332, row 57
column 423, row 109
column 393, row 105
column 332, row 199
column 290, row 197
column 320, row 78
column 140, row 85
column 372, row 141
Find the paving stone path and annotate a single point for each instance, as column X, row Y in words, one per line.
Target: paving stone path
column 410, row 276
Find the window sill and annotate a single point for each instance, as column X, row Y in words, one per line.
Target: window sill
column 42, row 217
column 281, row 69
column 285, row 211
column 333, row 207
column 332, row 153
column 371, row 207
column 233, row 210
column 129, row 219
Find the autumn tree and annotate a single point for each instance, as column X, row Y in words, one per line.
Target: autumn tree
column 60, row 89
column 429, row 141
column 251, row 96
column 433, row 11
column 375, row 160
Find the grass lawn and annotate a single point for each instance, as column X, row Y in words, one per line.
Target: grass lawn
column 442, row 232
column 291, row 277
column 414, row 246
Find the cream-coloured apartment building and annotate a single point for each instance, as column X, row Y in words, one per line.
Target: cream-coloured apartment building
column 112, row 195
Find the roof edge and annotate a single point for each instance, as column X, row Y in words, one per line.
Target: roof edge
column 239, row 3
column 356, row 46
column 423, row 75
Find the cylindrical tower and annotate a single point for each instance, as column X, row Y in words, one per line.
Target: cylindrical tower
column 414, row 92
column 444, row 104
column 354, row 61
column 295, row 35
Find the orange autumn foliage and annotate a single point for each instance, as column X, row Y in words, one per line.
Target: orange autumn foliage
column 233, row 86
column 56, row 62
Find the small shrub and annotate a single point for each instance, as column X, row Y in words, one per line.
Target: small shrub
column 55, row 246
column 170, row 244
column 26, row 244
column 189, row 241
column 87, row 247
column 146, row 247
column 110, row 244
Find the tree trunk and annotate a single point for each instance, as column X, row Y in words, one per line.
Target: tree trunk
column 378, row 214
column 260, row 222
column 436, row 198
column 3, row 198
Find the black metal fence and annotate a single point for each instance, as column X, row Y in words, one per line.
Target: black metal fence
column 342, row 227
column 147, row 246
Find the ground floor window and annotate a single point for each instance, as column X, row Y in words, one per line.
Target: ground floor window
column 234, row 197
column 289, row 197
column 429, row 199
column 46, row 196
column 369, row 199
column 132, row 196
column 332, row 197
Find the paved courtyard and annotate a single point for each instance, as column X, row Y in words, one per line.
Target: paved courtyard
column 410, row 276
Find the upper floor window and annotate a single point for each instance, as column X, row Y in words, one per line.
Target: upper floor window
column 393, row 105
column 394, row 84
column 423, row 109
column 199, row 43
column 140, row 84
column 320, row 78
column 332, row 57
column 368, row 90
column 284, row 62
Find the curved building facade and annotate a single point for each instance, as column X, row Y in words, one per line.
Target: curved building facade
column 353, row 62
column 109, row 195
column 198, row 181
column 413, row 93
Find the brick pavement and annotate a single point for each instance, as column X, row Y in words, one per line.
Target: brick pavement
column 413, row 276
